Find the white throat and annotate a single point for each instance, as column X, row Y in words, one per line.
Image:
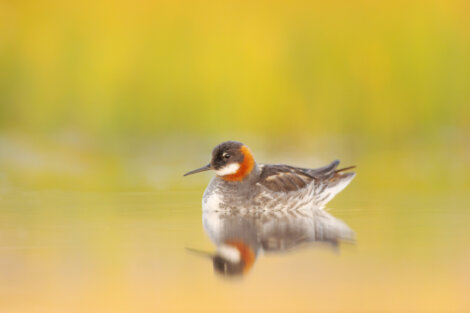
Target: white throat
column 230, row 169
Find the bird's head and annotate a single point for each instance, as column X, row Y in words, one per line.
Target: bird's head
column 231, row 160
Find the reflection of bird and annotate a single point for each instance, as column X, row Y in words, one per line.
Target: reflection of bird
column 240, row 237
column 242, row 184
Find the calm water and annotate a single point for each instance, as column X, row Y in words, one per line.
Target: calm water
column 128, row 252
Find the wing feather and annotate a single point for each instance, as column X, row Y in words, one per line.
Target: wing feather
column 280, row 177
column 283, row 185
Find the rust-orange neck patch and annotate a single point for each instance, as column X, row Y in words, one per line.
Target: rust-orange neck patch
column 245, row 167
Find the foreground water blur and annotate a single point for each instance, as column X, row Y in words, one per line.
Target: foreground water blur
column 125, row 252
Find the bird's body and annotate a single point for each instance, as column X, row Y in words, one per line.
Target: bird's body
column 242, row 184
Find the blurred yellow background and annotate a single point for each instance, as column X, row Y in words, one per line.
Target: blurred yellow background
column 82, row 83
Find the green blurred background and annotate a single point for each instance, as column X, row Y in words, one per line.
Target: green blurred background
column 98, row 95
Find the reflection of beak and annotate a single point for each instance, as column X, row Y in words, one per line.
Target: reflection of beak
column 201, row 169
column 201, row 253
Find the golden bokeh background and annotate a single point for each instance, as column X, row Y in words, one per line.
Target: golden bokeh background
column 389, row 69
column 82, row 82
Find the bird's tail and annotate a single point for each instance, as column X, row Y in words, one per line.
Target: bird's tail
column 335, row 184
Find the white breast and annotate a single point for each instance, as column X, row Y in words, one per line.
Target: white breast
column 211, row 201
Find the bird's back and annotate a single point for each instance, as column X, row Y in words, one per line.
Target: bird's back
column 295, row 187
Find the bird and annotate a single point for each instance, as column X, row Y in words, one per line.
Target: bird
column 241, row 184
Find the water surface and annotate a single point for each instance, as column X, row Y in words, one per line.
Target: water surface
column 126, row 252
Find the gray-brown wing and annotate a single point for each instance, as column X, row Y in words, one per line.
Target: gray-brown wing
column 284, row 178
column 323, row 172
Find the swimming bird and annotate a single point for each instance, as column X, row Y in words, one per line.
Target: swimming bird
column 242, row 184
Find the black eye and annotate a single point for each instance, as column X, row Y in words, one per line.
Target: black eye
column 225, row 155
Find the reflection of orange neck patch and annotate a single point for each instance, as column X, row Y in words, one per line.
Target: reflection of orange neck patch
column 245, row 167
column 246, row 253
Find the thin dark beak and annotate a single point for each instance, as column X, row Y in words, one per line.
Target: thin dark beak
column 202, row 169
